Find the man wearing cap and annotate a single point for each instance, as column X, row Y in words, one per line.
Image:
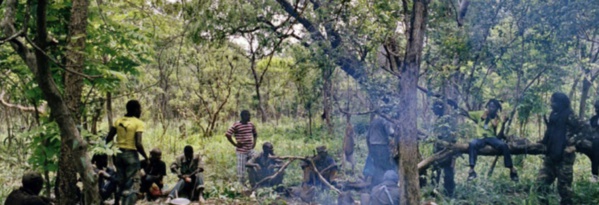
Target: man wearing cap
column 262, row 166
column 189, row 168
column 324, row 163
column 388, row 191
column 153, row 171
column 28, row 193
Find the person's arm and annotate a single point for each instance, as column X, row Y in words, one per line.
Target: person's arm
column 255, row 135
column 176, row 168
column 140, row 146
column 229, row 133
column 111, row 134
column 200, row 164
column 252, row 163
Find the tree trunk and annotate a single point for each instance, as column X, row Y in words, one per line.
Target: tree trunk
column 407, row 127
column 586, row 85
column 73, row 157
column 327, row 74
column 109, row 108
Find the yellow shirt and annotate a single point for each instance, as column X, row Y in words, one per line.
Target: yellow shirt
column 492, row 129
column 126, row 127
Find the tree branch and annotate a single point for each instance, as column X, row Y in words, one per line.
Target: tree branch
column 59, row 64
column 41, row 108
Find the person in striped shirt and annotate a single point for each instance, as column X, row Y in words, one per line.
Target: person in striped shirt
column 245, row 141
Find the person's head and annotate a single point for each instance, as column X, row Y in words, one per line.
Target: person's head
column 439, row 107
column 596, row 106
column 267, row 148
column 100, row 160
column 245, row 116
column 391, row 175
column 156, row 154
column 33, row 182
column 133, row 109
column 559, row 102
column 188, row 151
column 321, row 151
column 493, row 106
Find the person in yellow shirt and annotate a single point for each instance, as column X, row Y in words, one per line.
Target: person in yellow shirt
column 128, row 131
column 489, row 126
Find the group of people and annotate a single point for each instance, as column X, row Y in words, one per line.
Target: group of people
column 560, row 140
column 133, row 176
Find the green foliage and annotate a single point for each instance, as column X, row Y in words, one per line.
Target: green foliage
column 44, row 146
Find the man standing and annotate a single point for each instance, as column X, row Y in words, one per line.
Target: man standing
column 188, row 168
column 245, row 141
column 128, row 130
column 378, row 139
column 444, row 129
column 559, row 157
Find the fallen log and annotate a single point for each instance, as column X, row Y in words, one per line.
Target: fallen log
column 517, row 147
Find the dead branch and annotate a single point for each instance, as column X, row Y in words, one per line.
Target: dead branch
column 40, row 109
column 274, row 175
column 322, row 179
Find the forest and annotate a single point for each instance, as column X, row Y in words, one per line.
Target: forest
column 310, row 73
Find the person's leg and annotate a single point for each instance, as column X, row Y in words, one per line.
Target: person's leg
column 595, row 159
column 177, row 189
column 545, row 177
column 507, row 157
column 564, row 179
column 448, row 178
column 473, row 148
column 131, row 180
column 120, row 165
column 241, row 161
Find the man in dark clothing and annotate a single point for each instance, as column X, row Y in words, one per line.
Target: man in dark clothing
column 106, row 176
column 326, row 167
column 154, row 171
column 559, row 157
column 378, row 138
column 445, row 128
column 388, row 192
column 262, row 166
column 28, row 193
column 593, row 152
column 189, row 168
column 129, row 130
column 489, row 127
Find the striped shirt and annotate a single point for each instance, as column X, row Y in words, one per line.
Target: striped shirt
column 244, row 135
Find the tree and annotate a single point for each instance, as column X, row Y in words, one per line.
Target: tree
column 73, row 158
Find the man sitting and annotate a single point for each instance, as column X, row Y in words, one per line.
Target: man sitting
column 28, row 193
column 153, row 171
column 326, row 167
column 388, row 191
column 106, row 176
column 261, row 166
column 188, row 168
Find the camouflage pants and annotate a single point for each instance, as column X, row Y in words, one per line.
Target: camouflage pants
column 563, row 172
